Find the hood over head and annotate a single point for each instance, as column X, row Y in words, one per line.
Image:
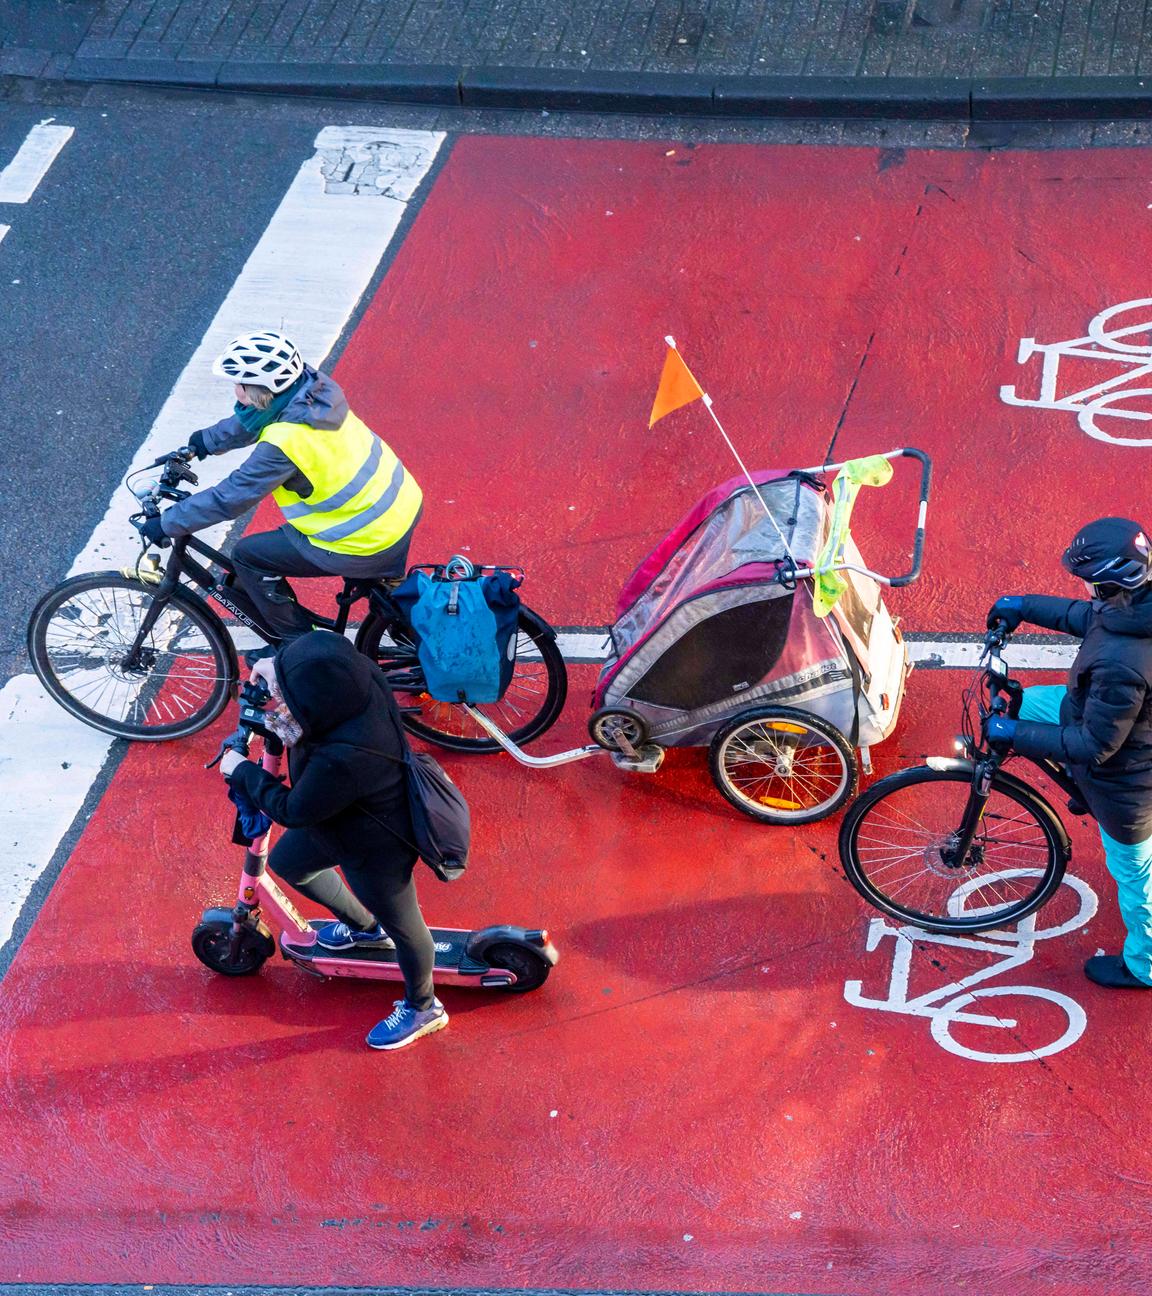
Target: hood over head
column 1128, row 612
column 324, row 681
column 319, row 401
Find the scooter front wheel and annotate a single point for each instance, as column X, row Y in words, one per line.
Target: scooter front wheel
column 212, row 945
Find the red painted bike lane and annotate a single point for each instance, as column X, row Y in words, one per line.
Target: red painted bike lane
column 690, row 1103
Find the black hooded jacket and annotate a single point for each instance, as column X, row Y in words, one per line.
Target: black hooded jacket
column 1105, row 729
column 347, row 782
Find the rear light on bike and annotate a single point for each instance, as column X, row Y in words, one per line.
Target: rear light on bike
column 540, row 937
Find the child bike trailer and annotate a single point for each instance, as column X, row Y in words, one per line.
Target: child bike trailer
column 756, row 629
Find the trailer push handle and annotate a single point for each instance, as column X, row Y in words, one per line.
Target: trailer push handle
column 913, row 572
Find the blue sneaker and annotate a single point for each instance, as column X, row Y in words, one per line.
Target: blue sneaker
column 405, row 1024
column 339, row 936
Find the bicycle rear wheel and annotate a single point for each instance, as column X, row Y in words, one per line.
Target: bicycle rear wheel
column 79, row 639
column 530, row 705
column 895, row 849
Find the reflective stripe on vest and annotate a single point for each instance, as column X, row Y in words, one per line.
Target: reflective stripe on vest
column 363, row 498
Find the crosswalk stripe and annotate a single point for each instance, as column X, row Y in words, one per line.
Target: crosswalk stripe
column 42, row 145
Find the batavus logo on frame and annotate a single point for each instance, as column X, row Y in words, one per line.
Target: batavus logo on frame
column 1104, row 378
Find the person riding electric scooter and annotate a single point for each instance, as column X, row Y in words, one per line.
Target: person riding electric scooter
column 346, row 806
column 350, row 504
column 1100, row 724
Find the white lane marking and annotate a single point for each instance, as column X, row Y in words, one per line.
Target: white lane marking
column 41, row 146
column 4, row 230
column 592, row 647
column 48, row 762
column 964, row 654
column 311, row 266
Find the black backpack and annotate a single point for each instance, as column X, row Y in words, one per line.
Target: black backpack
column 441, row 823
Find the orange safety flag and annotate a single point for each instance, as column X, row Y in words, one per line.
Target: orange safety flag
column 677, row 387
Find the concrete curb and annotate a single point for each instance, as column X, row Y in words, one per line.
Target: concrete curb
column 1015, row 99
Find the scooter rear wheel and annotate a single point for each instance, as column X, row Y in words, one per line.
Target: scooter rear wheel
column 531, row 970
column 212, row 945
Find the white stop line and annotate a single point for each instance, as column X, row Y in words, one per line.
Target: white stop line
column 308, row 271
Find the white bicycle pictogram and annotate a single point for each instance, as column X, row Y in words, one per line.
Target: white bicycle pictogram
column 950, row 1005
column 1119, row 335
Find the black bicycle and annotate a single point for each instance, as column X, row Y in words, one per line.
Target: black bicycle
column 138, row 654
column 961, row 844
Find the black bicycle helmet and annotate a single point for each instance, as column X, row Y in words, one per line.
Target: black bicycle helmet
column 1111, row 554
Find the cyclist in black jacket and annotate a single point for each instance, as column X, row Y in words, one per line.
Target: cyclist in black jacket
column 346, row 805
column 1100, row 725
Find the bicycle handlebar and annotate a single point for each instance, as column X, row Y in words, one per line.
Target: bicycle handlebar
column 997, row 636
column 185, row 454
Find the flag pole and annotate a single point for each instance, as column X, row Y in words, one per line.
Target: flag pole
column 707, row 400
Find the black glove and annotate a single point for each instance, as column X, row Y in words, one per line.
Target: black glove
column 1008, row 609
column 152, row 529
column 197, row 446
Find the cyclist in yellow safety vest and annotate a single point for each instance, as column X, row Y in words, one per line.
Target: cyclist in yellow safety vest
column 351, row 505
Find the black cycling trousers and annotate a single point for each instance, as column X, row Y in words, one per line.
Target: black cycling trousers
column 380, row 890
column 263, row 560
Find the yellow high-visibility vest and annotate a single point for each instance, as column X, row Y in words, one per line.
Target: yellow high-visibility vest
column 363, row 498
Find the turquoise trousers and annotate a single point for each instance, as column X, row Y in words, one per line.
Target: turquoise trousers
column 1130, row 866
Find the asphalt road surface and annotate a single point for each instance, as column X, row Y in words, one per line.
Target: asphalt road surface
column 108, row 276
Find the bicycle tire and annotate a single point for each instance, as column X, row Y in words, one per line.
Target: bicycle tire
column 445, row 723
column 206, row 687
column 734, row 748
column 1049, row 853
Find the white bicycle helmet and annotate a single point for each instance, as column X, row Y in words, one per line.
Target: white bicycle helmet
column 264, row 359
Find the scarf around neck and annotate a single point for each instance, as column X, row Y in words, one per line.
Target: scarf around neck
column 256, row 420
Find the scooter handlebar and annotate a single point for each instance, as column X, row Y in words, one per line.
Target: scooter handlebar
column 239, row 741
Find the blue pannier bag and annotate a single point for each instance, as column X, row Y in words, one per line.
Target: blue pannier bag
column 464, row 622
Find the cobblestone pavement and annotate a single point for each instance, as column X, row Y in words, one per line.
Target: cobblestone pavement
column 843, row 38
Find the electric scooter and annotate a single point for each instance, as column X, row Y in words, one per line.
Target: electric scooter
column 239, row 941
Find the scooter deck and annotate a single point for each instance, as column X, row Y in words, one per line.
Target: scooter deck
column 452, row 958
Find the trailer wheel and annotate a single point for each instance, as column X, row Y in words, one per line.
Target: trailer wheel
column 781, row 765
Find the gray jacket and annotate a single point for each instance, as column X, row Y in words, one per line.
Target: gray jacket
column 320, row 403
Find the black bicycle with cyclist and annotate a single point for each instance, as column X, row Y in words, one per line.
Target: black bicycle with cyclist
column 140, row 653
column 963, row 845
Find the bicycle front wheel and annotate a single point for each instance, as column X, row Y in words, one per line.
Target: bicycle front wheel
column 531, row 704
column 897, row 849
column 80, row 642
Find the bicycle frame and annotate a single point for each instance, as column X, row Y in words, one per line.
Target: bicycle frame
column 181, row 563
column 986, row 764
